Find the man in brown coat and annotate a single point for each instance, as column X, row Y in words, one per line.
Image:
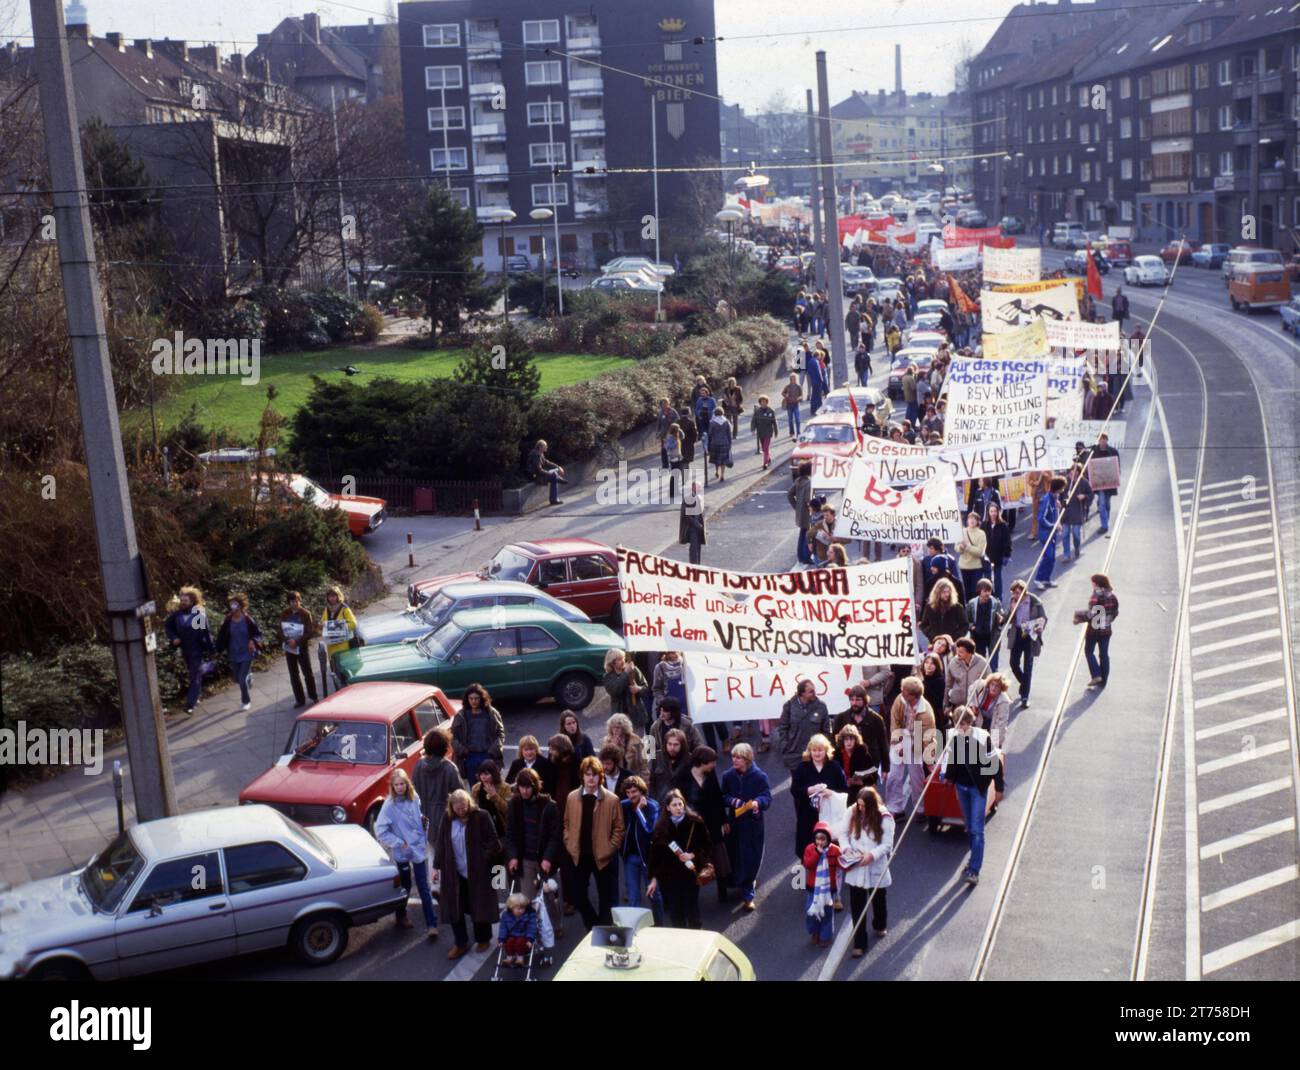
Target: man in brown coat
column 593, row 833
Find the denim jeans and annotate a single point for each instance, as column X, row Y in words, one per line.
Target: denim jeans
column 996, row 577
column 862, row 376
column 792, row 417
column 805, row 555
column 472, row 761
column 194, row 667
column 972, row 802
column 1022, row 662
column 240, row 670
column 420, row 870
column 1093, row 645
column 1103, row 510
column 1075, row 532
column 635, row 880
column 553, row 478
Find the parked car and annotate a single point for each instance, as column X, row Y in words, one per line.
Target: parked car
column 1119, row 251
column 231, row 468
column 638, row 263
column 411, row 623
column 518, row 264
column 516, row 652
column 1077, row 263
column 574, row 570
column 1011, row 224
column 837, row 401
column 972, row 218
column 629, row 283
column 1249, row 254
column 1291, row 316
column 336, row 764
column 789, row 265
column 890, row 289
column 1147, row 271
column 922, row 358
column 1252, row 286
column 1065, row 234
column 568, row 267
column 927, row 322
column 364, row 514
column 1211, row 256
column 137, row 907
column 927, row 340
column 931, row 304
column 857, row 280
column 1178, row 250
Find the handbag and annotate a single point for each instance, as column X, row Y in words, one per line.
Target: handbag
column 705, row 874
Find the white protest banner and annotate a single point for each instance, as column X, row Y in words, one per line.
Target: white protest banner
column 830, row 472
column 1068, row 432
column 992, row 410
column 1075, row 334
column 1103, row 473
column 854, row 614
column 963, row 258
column 1065, row 388
column 1004, row 312
column 901, row 465
column 1027, row 341
column 872, row 509
column 724, row 688
column 1012, row 265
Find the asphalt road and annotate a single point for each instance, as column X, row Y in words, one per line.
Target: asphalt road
column 1085, row 861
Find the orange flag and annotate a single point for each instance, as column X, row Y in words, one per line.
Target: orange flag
column 1094, row 276
column 964, row 303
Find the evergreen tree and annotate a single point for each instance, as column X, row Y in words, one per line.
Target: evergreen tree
column 503, row 362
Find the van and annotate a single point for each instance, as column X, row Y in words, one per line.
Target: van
column 1258, row 285
column 1249, row 254
column 1064, row 235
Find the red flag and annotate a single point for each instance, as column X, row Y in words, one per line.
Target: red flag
column 857, row 420
column 1094, row 277
column 964, row 303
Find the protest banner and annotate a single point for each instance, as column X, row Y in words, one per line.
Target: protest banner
column 955, row 237
column 1027, row 341
column 829, row 472
column 855, row 614
column 990, row 407
column 723, row 688
column 1004, row 312
column 1066, row 385
column 963, row 258
column 1075, row 334
column 872, row 509
column 901, row 465
column 1012, row 265
column 1103, row 473
column 1080, row 287
column 1069, row 431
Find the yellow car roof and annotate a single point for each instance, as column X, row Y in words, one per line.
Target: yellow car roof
column 666, row 955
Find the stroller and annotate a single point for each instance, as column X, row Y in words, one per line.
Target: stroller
column 542, row 953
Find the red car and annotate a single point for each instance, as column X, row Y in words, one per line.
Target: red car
column 829, row 441
column 341, row 752
column 1178, row 251
column 579, row 571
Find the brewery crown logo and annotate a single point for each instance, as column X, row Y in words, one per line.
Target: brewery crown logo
column 672, row 25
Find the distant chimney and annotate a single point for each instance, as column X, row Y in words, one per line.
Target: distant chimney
column 898, row 68
column 208, row 56
column 115, row 41
column 238, row 64
column 880, row 100
column 75, row 15
column 312, row 24
column 176, row 49
column 144, row 45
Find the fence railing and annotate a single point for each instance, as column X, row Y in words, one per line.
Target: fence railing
column 411, row 495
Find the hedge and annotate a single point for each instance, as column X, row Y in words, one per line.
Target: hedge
column 576, row 421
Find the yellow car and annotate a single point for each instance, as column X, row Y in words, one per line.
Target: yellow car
column 654, row 954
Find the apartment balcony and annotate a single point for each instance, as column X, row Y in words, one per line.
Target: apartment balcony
column 586, row 209
column 597, row 172
column 585, row 42
column 488, row 131
column 484, row 89
column 484, row 48
column 587, row 86
column 1272, row 179
column 588, row 125
column 1245, row 87
column 491, row 166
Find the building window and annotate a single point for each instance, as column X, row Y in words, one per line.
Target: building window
column 1144, row 129
column 546, row 111
column 1144, row 87
column 1247, row 65
column 1030, row 131
column 1202, row 75
column 447, row 118
column 1144, row 169
column 1042, row 131
column 448, row 159
column 546, row 154
column 1069, row 127
column 1225, row 164
column 1125, row 88
column 542, row 32
column 442, row 35
column 1126, row 127
column 1029, row 101
column 547, row 73
column 1054, row 134
column 1126, row 168
column 550, row 194
column 1042, row 98
column 443, row 78
column 460, row 196
column 1203, row 168
column 1225, row 72
column 1202, row 121
column 1241, row 160
column 1083, row 133
column 1225, row 116
column 1110, row 151
column 1126, row 211
column 1085, row 172
column 1083, row 96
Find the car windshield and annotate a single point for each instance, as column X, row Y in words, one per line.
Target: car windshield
column 436, row 609
column 439, row 644
column 827, row 433
column 1264, row 256
column 840, row 402
column 308, row 838
column 508, row 565
column 108, row 878
column 340, row 741
column 307, row 490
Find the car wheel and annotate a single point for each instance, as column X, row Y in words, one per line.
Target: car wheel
column 372, row 817
column 1235, row 307
column 574, row 691
column 319, row 940
column 60, row 970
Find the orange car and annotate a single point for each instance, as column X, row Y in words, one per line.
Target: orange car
column 364, row 514
column 1179, row 250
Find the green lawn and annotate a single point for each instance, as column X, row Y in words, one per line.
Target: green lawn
column 224, row 402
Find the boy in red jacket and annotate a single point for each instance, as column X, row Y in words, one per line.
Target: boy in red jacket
column 821, row 862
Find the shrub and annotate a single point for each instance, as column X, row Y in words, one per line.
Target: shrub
column 372, row 324
column 340, row 314
column 244, row 320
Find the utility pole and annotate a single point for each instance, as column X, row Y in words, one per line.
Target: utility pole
column 343, row 230
column 814, row 191
column 120, row 565
column 830, row 220
column 654, row 157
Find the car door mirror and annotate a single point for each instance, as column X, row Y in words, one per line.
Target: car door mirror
column 155, row 909
column 455, row 659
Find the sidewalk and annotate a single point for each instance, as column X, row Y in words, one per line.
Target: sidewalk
column 55, row 826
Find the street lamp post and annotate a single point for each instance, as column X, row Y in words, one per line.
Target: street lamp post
column 540, row 216
column 502, row 216
column 730, row 216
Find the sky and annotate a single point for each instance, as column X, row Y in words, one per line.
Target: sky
column 770, row 49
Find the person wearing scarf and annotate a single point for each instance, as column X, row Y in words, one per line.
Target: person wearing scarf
column 821, row 864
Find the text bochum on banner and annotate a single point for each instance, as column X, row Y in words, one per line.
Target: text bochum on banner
column 862, row 613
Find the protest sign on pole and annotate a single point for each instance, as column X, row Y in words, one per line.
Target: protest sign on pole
column 1076, row 334
column 1070, row 431
column 1027, row 341
column 1103, row 473
column 872, row 509
column 1079, row 285
column 988, row 403
column 963, row 258
column 1012, row 265
column 1004, row 312
column 855, row 614
column 740, row 688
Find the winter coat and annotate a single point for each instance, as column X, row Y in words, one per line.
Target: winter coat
column 798, row 496
column 902, row 725
column 195, row 642
column 481, row 850
column 606, row 827
column 875, row 740
column 806, row 814
column 797, row 726
column 720, row 440
column 999, row 541
column 1110, row 605
column 690, row 521
column 663, row 772
column 705, row 799
column 495, row 804
column 520, row 926
column 401, row 821
column 733, row 400
column 959, row 676
column 693, row 738
column 460, row 735
column 639, row 823
column 618, row 688
column 704, row 407
column 692, row 836
column 995, row 617
column 971, row 550
column 667, row 675
column 223, row 639
column 950, row 620
column 811, row 858
column 435, row 779
column 873, row 874
column 763, row 422
column 541, row 766
column 745, row 841
column 1076, row 510
column 549, row 843
column 997, row 717
column 1036, row 612
column 791, row 395
column 634, row 759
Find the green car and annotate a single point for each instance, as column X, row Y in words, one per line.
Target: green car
column 516, row 652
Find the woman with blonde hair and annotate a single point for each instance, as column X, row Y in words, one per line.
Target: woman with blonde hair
column 944, row 614
column 463, row 858
column 733, row 401
column 401, row 830
column 624, row 683
column 238, row 638
column 816, row 775
column 338, row 624
column 618, row 733
column 186, row 629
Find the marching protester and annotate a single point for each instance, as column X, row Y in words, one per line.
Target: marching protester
column 821, row 861
column 532, row 841
column 338, row 624
column 640, row 815
column 800, row 498
column 579, row 741
column 802, row 717
column 866, row 838
column 986, row 619
column 297, row 629
column 1049, row 513
column 491, row 794
column 463, row 857
column 698, row 783
column 1026, row 620
column 871, row 729
column 1104, row 449
column 631, row 749
column 854, row 759
column 764, row 426
column 791, row 396
column 593, row 833
column 816, row 775
column 748, row 794
column 962, row 670
column 733, row 402
column 669, row 760
column 992, row 706
column 680, row 854
column 624, row 684
column 969, row 763
column 971, row 549
column 720, row 436
column 186, row 629
column 401, row 830
column 477, row 732
column 530, row 757
column 1076, row 511
column 670, row 717
column 1103, row 608
column 912, row 729
column 690, row 522
column 667, row 678
column 943, row 613
column 436, row 777
column 933, row 684
column 998, row 548
column 239, row 638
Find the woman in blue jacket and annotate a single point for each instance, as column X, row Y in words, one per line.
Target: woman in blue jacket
column 748, row 794
column 403, row 831
column 187, row 631
column 1049, row 510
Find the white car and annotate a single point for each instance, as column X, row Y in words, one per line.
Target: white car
column 918, row 339
column 630, row 283
column 195, row 888
column 1147, row 271
column 932, row 304
column 639, row 263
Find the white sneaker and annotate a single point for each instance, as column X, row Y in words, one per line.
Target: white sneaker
column 246, row 706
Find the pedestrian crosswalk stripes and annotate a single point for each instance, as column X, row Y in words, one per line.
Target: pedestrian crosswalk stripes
column 1237, row 618
column 1261, row 883
column 1240, row 723
column 1215, row 585
column 1242, row 545
column 1253, row 945
column 1248, row 839
column 1219, row 566
column 1248, row 515
column 1236, row 667
column 1250, row 794
column 1240, row 693
column 1280, row 746
column 1238, row 640
column 1225, row 533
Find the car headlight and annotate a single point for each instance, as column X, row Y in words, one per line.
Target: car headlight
column 338, row 815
